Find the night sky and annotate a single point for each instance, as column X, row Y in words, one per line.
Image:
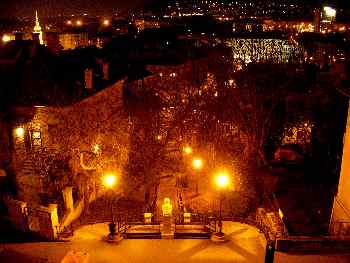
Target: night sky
column 54, row 7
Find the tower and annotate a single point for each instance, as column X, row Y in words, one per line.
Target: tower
column 317, row 20
column 37, row 28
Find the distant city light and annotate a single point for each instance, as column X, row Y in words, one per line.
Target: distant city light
column 79, row 23
column 106, row 22
column 6, row 38
column 69, row 22
column 329, row 11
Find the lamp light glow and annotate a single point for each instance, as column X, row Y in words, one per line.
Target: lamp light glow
column 222, row 180
column 187, row 150
column 6, row 38
column 197, row 163
column 19, row 132
column 109, row 180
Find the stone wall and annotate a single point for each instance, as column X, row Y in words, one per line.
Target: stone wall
column 97, row 126
column 43, row 221
column 39, row 219
column 340, row 220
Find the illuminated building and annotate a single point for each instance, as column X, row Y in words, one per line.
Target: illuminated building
column 6, row 38
column 74, row 40
column 142, row 24
column 37, row 28
column 328, row 14
column 278, row 51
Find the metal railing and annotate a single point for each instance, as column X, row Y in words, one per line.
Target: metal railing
column 209, row 224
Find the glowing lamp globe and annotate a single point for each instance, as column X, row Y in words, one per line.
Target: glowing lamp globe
column 222, row 180
column 197, row 163
column 187, row 150
column 109, row 180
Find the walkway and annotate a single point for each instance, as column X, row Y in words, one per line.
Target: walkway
column 245, row 244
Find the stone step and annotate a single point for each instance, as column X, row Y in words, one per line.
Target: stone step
column 168, row 235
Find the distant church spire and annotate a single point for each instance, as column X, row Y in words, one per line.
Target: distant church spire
column 37, row 28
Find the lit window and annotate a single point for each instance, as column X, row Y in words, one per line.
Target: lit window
column 36, row 135
column 36, row 138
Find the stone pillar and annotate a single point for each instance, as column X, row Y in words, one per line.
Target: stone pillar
column 48, row 221
column 340, row 219
column 54, row 219
column 68, row 198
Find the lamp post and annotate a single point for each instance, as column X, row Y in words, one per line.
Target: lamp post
column 109, row 181
column 222, row 181
column 197, row 164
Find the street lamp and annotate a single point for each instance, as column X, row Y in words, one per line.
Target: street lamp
column 222, row 181
column 109, row 181
column 197, row 164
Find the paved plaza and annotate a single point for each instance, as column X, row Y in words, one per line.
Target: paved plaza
column 244, row 244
